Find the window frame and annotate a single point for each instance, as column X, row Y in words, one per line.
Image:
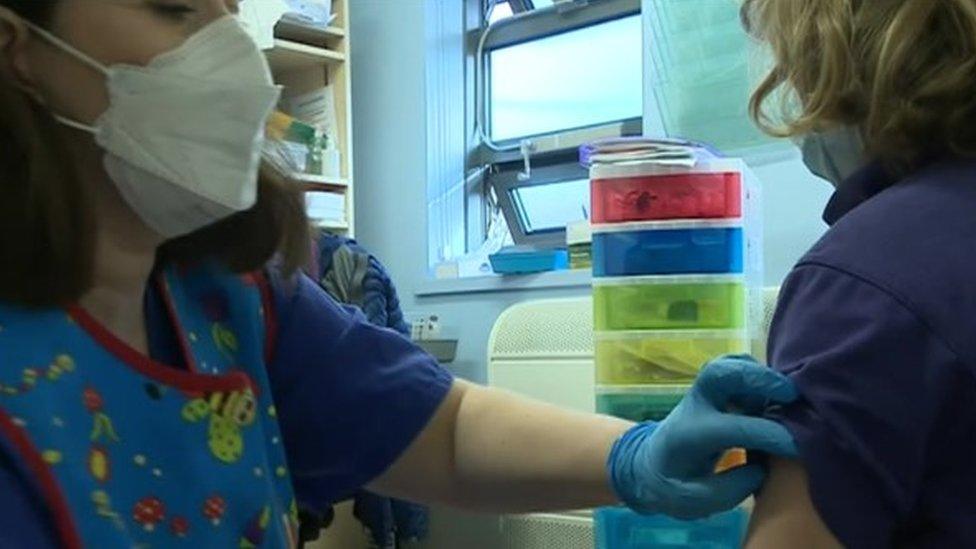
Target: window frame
column 553, row 155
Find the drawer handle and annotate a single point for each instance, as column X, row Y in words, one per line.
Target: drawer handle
column 662, row 245
column 710, row 239
column 683, row 311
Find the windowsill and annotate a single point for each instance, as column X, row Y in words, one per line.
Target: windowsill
column 509, row 283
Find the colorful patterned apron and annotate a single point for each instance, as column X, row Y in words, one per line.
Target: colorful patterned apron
column 132, row 453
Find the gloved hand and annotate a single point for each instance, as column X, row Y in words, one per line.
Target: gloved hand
column 668, row 467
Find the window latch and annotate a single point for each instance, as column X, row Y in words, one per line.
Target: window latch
column 526, row 146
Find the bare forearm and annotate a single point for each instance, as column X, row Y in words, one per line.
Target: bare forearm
column 487, row 450
column 513, row 454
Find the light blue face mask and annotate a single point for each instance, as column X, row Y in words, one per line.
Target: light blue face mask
column 834, row 154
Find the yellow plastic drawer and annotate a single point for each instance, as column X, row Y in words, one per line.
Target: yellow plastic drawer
column 669, row 357
column 670, row 303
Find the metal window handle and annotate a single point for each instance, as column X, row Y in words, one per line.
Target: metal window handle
column 526, row 146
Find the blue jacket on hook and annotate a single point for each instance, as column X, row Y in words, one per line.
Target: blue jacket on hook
column 353, row 276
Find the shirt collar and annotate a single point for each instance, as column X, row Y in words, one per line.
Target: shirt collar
column 860, row 187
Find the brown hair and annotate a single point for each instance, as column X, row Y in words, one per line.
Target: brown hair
column 902, row 71
column 47, row 225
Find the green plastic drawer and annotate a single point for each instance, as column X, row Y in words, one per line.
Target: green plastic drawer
column 639, row 403
column 629, row 358
column 670, row 303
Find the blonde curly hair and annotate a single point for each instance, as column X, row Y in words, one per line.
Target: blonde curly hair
column 901, row 71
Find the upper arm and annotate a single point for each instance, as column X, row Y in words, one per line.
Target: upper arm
column 784, row 515
column 423, row 473
column 351, row 397
column 874, row 381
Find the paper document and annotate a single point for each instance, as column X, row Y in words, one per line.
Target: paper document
column 326, row 206
column 317, row 108
column 317, row 13
column 259, row 18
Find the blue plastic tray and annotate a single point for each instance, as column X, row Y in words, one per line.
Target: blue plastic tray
column 619, row 528
column 527, row 262
column 652, row 251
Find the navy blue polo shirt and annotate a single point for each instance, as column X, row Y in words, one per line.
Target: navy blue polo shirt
column 877, row 327
column 350, row 399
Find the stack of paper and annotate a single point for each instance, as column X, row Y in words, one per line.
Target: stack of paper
column 316, row 13
column 630, row 150
column 326, row 207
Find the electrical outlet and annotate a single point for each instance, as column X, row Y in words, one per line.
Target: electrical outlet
column 424, row 326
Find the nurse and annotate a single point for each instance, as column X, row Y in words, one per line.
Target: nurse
column 159, row 384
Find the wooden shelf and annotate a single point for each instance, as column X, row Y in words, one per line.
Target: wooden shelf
column 304, row 59
column 327, row 37
column 287, row 56
column 310, row 179
column 331, row 225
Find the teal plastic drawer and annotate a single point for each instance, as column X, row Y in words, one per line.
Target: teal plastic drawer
column 619, row 528
column 639, row 402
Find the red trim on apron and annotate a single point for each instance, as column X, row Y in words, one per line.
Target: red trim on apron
column 167, row 297
column 167, row 375
column 51, row 491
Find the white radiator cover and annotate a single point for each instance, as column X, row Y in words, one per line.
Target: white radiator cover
column 548, row 531
column 544, row 349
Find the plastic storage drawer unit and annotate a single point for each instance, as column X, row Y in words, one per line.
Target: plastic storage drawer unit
column 619, row 528
column 668, row 247
column 665, row 196
column 629, row 358
column 670, row 303
column 639, row 402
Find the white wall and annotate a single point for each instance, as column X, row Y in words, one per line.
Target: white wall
column 389, row 113
column 793, row 202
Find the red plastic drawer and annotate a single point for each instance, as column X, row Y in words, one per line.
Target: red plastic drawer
column 667, row 196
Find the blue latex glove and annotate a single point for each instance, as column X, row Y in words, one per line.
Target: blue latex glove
column 668, row 467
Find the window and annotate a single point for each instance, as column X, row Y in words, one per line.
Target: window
column 550, row 206
column 496, row 10
column 500, row 11
column 592, row 76
column 542, row 77
column 552, row 77
column 539, row 208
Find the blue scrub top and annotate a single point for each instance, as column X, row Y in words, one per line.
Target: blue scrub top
column 877, row 327
column 350, row 397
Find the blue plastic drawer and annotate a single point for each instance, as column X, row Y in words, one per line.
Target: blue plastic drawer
column 689, row 247
column 619, row 528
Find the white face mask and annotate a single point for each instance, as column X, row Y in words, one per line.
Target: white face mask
column 834, row 154
column 183, row 135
